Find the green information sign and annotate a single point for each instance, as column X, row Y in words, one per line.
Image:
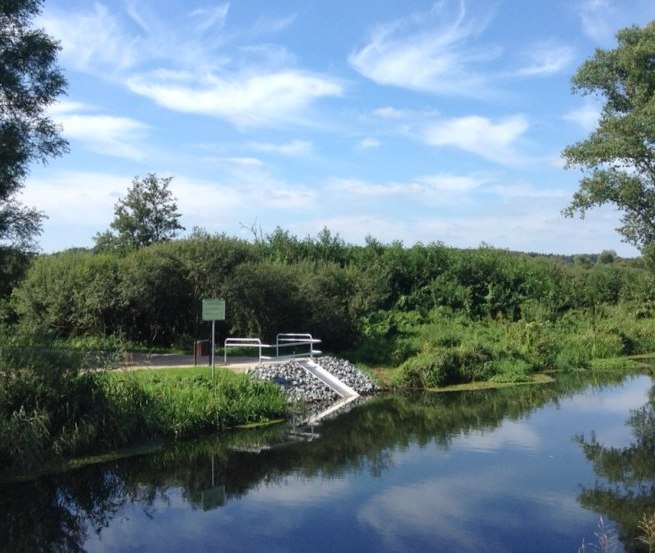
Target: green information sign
column 213, row 310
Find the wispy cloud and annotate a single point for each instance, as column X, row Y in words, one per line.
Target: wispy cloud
column 369, row 143
column 106, row 134
column 601, row 19
column 494, row 141
column 598, row 18
column 207, row 18
column 365, row 189
column 246, row 100
column 432, row 51
column 190, row 67
column 94, row 42
column 293, row 148
column 389, row 112
column 453, row 184
column 444, row 186
column 586, row 116
column 546, row 58
column 76, row 197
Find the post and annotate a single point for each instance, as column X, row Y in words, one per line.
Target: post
column 213, row 347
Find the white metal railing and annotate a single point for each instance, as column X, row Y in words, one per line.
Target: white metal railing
column 289, row 339
column 245, row 343
column 282, row 340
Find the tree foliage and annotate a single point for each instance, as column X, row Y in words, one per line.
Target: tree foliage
column 148, row 214
column 386, row 302
column 618, row 157
column 30, row 81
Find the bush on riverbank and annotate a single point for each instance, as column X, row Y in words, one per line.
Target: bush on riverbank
column 53, row 406
column 444, row 315
column 448, row 348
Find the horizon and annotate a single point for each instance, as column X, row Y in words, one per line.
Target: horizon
column 422, row 122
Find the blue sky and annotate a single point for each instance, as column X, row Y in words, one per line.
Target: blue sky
column 414, row 120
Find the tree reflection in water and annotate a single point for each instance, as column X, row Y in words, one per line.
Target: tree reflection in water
column 60, row 512
column 627, row 491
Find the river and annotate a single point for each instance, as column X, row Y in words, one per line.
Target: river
column 529, row 468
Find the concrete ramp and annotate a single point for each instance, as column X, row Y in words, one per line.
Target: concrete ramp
column 346, row 392
column 328, row 379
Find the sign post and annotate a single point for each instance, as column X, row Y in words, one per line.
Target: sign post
column 213, row 310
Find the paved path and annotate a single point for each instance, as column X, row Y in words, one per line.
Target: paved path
column 159, row 360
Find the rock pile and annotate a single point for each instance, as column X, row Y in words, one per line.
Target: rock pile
column 299, row 385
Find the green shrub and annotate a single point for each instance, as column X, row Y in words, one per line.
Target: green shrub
column 510, row 370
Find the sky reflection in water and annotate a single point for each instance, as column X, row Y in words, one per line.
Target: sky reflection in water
column 504, row 485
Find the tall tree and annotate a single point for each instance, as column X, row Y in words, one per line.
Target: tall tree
column 618, row 157
column 148, row 214
column 30, row 81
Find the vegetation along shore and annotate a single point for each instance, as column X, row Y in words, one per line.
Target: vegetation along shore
column 429, row 315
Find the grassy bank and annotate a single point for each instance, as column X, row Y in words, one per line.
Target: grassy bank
column 53, row 407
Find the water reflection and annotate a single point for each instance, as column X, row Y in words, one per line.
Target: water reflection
column 435, row 472
column 626, row 486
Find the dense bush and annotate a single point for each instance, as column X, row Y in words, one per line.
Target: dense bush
column 380, row 303
column 449, row 348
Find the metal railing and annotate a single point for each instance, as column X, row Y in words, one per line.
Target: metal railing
column 287, row 339
column 245, row 343
column 282, row 340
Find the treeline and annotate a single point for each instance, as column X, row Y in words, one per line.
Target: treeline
column 437, row 309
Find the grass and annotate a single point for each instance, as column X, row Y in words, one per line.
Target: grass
column 170, row 372
column 53, row 409
column 185, row 402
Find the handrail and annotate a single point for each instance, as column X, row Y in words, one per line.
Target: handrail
column 289, row 339
column 245, row 343
column 282, row 340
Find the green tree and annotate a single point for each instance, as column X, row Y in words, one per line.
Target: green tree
column 618, row 157
column 148, row 214
column 30, row 81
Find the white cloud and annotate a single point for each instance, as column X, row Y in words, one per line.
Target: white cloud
column 371, row 190
column 369, row 143
column 449, row 183
column 586, row 116
column 597, row 18
column 494, row 141
column 249, row 180
column 94, row 42
column 266, row 25
column 601, row 19
column 529, row 224
column 210, row 17
column 246, row 100
column 428, row 51
column 546, row 59
column 106, row 134
column 511, row 192
column 293, row 148
column 447, row 187
column 76, row 198
column 192, row 68
column 389, row 113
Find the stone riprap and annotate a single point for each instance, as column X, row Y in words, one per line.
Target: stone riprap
column 300, row 385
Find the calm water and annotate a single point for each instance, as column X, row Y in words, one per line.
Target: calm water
column 524, row 469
